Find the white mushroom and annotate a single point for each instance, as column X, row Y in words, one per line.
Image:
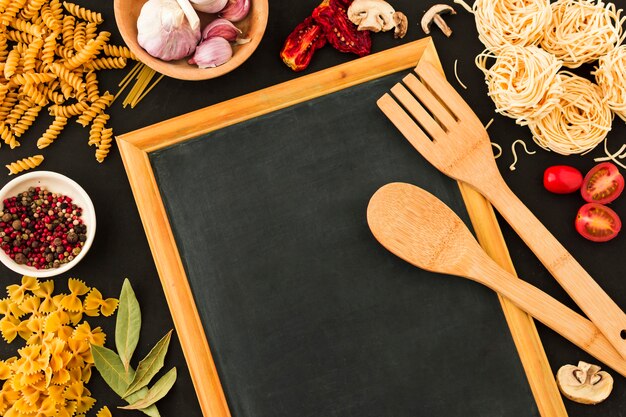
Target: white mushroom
column 584, row 383
column 434, row 15
column 376, row 16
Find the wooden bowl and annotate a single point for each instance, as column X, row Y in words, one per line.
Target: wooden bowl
column 253, row 27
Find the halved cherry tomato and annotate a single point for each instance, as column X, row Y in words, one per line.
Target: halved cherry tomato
column 602, row 184
column 597, row 222
column 562, row 179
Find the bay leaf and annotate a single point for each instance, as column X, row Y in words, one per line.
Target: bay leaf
column 156, row 392
column 150, row 365
column 152, row 410
column 110, row 367
column 127, row 324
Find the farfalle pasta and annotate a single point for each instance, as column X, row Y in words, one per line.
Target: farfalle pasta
column 47, row 376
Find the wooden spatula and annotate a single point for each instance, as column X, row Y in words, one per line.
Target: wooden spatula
column 419, row 228
column 443, row 128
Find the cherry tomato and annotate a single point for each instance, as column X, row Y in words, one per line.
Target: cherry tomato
column 597, row 222
column 562, row 179
column 602, row 184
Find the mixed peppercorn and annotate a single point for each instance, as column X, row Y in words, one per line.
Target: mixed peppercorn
column 41, row 229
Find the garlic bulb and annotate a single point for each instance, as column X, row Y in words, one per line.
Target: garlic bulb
column 208, row 6
column 212, row 52
column 164, row 31
column 222, row 28
column 236, row 10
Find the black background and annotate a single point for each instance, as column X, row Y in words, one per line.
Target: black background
column 120, row 249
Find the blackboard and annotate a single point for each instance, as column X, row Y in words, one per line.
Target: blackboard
column 305, row 313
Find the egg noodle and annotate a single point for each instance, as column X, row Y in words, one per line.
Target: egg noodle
column 514, row 22
column 582, row 31
column 578, row 123
column 530, row 41
column 523, row 82
column 611, row 77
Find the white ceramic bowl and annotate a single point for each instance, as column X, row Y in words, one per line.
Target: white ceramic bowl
column 55, row 183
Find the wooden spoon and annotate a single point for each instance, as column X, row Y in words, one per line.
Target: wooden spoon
column 419, row 228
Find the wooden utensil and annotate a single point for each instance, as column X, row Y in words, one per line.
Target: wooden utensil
column 419, row 228
column 452, row 138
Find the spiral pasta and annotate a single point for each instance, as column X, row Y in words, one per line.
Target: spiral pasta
column 52, row 132
column 31, row 91
column 48, row 48
column 68, row 76
column 32, row 8
column 11, row 11
column 83, row 13
column 49, row 52
column 582, row 31
column 118, row 51
column 523, row 81
column 31, row 54
column 13, row 60
column 67, row 31
column 33, row 78
column 24, row 164
column 97, row 107
column 26, row 121
column 69, row 110
column 88, row 52
column 106, row 63
column 104, row 145
column 578, row 123
column 95, row 133
column 18, row 110
column 91, row 86
column 24, row 26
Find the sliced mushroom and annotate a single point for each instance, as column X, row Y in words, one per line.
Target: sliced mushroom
column 376, row 16
column 584, row 383
column 434, row 15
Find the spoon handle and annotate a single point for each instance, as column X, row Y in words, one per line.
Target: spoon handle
column 569, row 324
column 579, row 285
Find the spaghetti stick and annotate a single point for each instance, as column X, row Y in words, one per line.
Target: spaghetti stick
column 147, row 91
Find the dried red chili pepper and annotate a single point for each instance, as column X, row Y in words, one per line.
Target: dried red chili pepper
column 340, row 32
column 329, row 22
column 300, row 45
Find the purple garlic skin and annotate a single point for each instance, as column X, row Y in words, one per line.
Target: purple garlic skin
column 235, row 10
column 210, row 6
column 221, row 28
column 164, row 32
column 212, row 52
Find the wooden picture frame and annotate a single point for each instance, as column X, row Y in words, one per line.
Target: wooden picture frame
column 135, row 148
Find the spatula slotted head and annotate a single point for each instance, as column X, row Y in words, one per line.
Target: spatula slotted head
column 436, row 120
column 419, row 228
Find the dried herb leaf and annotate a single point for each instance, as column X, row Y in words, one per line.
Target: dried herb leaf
column 156, row 392
column 128, row 324
column 150, row 365
column 110, row 367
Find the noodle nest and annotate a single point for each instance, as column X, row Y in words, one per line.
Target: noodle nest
column 582, row 31
column 580, row 121
column 511, row 22
column 611, row 77
column 523, row 82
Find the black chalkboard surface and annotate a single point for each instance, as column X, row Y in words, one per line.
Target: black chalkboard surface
column 306, row 314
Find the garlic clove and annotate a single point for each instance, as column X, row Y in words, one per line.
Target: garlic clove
column 164, row 31
column 208, row 6
column 212, row 52
column 221, row 28
column 235, row 10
